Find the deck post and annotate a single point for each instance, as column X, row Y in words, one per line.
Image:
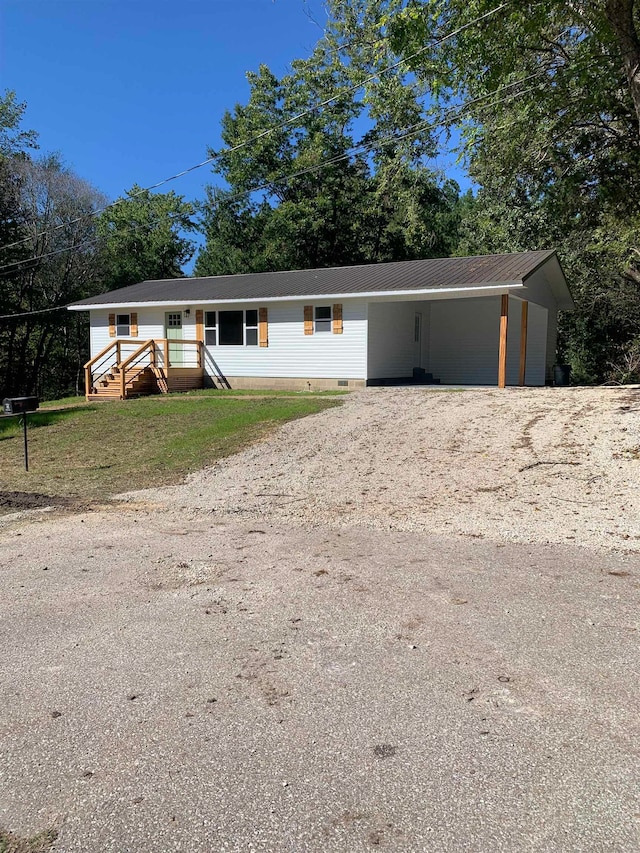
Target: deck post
column 166, row 356
column 87, row 382
column 152, row 354
column 118, row 353
column 502, row 351
column 523, row 340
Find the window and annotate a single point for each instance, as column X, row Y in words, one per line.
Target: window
column 123, row 325
column 210, row 329
column 231, row 328
column 251, row 328
column 323, row 318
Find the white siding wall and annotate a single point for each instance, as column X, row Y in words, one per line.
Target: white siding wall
column 290, row 353
column 391, row 346
column 464, row 340
column 536, row 344
column 150, row 325
column 538, row 290
column 459, row 341
column 513, row 341
column 551, row 340
column 293, row 354
column 426, row 331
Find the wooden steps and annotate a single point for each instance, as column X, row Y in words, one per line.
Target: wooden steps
column 137, row 383
column 143, row 374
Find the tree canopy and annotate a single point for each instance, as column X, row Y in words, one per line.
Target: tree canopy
column 56, row 247
column 335, row 183
column 142, row 236
column 544, row 99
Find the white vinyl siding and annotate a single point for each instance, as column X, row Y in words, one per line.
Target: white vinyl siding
column 551, row 341
column 460, row 339
column 150, row 325
column 537, row 290
column 536, row 344
column 291, row 353
column 391, row 346
column 464, row 339
column 514, row 324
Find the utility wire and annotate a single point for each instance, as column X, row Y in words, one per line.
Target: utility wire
column 31, row 313
column 269, row 130
column 360, row 149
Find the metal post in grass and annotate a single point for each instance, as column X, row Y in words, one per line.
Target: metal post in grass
column 20, row 406
column 26, row 443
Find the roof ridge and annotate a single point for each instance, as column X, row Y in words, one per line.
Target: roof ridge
column 348, row 266
column 418, row 275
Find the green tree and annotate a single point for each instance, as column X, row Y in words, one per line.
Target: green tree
column 545, row 97
column 55, row 248
column 13, row 139
column 142, row 236
column 306, row 190
column 42, row 347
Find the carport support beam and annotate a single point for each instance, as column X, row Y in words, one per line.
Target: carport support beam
column 523, row 341
column 502, row 351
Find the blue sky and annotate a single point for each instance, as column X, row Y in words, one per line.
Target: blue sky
column 132, row 91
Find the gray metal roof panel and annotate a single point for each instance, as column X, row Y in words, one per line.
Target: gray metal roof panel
column 431, row 274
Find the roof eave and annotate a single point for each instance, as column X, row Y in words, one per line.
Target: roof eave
column 558, row 282
column 469, row 290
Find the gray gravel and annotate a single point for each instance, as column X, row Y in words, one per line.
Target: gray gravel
column 557, row 465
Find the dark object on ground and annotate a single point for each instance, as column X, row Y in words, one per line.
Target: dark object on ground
column 562, row 374
column 31, row 500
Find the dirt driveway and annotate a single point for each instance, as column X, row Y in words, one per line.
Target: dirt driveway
column 296, row 672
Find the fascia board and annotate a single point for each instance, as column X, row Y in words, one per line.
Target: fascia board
column 498, row 287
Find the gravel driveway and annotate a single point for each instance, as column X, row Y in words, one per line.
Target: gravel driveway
column 523, row 465
column 273, row 658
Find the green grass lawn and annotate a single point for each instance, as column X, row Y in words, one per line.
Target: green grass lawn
column 92, row 450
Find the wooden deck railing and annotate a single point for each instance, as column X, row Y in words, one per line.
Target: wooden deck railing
column 146, row 349
column 155, row 353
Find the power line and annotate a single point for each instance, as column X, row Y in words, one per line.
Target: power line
column 266, row 132
column 32, row 313
column 354, row 150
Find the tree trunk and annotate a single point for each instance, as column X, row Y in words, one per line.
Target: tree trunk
column 620, row 16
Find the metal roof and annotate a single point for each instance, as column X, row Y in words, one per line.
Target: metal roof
column 429, row 275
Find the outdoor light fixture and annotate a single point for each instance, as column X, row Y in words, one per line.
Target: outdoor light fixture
column 187, row 312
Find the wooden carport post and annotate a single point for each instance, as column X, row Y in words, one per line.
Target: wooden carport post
column 524, row 317
column 502, row 352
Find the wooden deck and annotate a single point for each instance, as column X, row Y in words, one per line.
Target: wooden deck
column 131, row 368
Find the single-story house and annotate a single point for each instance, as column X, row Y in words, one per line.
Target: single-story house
column 486, row 320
